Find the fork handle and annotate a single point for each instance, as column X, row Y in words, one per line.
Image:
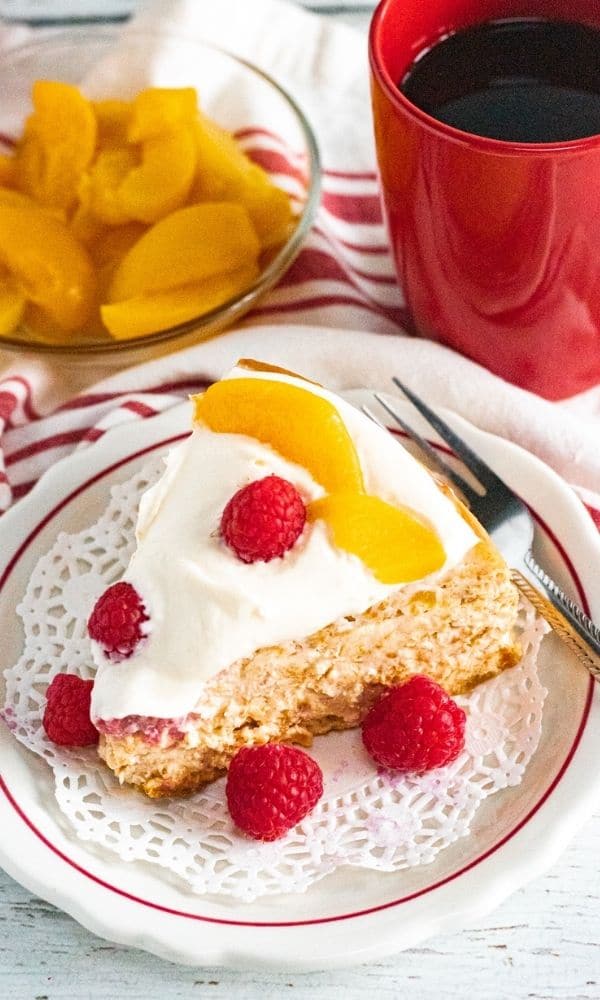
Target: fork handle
column 564, row 616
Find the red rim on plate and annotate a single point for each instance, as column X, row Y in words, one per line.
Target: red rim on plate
column 8, row 794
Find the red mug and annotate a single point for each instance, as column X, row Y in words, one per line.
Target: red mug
column 496, row 244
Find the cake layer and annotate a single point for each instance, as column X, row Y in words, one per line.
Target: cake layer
column 457, row 630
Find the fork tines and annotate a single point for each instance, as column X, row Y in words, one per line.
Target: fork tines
column 468, row 492
column 486, row 476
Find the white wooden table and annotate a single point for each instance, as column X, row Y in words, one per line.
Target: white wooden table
column 543, row 944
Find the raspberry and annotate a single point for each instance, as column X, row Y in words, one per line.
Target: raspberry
column 415, row 726
column 270, row 788
column 263, row 519
column 117, row 621
column 67, row 713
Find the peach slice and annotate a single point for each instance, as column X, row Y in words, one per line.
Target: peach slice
column 189, row 245
column 58, row 144
column 47, row 264
column 160, row 310
column 12, row 306
column 301, row 426
column 162, row 181
column 225, row 173
column 161, row 109
column 392, row 542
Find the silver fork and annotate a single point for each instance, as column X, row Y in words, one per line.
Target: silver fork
column 508, row 521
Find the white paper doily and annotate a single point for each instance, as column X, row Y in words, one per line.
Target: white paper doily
column 365, row 818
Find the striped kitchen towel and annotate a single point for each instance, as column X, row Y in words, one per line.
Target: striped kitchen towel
column 337, row 315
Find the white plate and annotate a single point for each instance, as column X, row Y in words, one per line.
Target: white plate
column 351, row 916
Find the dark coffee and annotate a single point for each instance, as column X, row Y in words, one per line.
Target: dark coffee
column 521, row 80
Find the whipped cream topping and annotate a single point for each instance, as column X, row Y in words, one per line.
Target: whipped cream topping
column 207, row 608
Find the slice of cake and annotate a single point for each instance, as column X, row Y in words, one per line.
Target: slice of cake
column 291, row 562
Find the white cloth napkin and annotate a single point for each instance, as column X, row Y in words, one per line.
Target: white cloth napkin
column 336, row 317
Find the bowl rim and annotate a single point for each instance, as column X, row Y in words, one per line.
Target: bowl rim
column 236, row 305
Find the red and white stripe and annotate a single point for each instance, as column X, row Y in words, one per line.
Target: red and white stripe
column 343, row 277
column 33, row 447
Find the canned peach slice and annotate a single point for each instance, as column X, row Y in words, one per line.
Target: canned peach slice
column 57, row 145
column 162, row 310
column 393, row 542
column 303, row 427
column 189, row 245
column 47, row 264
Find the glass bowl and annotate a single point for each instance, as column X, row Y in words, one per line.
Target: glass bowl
column 238, row 95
